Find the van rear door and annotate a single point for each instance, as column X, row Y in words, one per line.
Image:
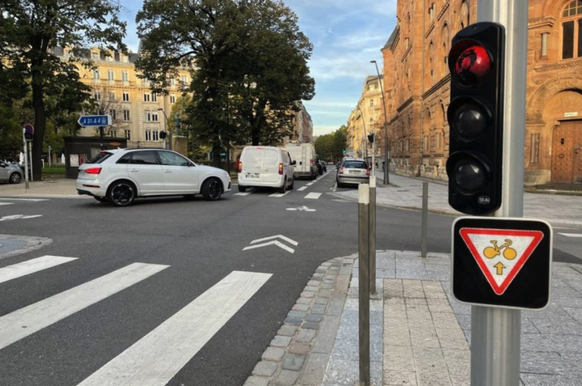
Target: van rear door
column 261, row 165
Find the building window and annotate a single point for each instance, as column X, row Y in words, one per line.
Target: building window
column 126, row 116
column 148, row 135
column 113, row 114
column 124, row 76
column 172, row 82
column 125, row 96
column 534, row 154
column 172, row 99
column 148, row 116
column 155, row 117
column 572, row 30
column 111, row 95
column 128, row 134
column 146, row 97
column 96, row 74
column 154, row 98
column 95, row 55
column 438, row 141
column 371, row 103
column 97, row 95
column 464, row 14
column 110, row 76
column 155, row 135
column 425, row 142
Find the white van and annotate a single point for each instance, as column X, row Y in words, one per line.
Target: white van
column 265, row 166
column 304, row 155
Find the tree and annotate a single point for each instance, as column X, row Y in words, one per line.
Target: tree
column 29, row 30
column 331, row 146
column 248, row 64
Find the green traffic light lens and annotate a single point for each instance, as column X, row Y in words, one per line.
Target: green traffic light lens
column 470, row 176
column 470, row 121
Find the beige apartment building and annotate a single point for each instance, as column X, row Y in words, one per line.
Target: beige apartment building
column 417, row 87
column 365, row 119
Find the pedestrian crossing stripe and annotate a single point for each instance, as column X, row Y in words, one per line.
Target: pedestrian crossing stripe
column 571, row 234
column 55, row 308
column 156, row 358
column 31, row 266
column 313, row 196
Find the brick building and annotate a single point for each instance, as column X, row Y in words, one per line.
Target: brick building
column 417, row 87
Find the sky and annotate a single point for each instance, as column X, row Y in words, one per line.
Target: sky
column 346, row 35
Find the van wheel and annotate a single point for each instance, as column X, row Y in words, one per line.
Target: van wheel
column 242, row 189
column 211, row 189
column 284, row 187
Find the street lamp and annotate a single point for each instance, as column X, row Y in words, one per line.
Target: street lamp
column 167, row 128
column 386, row 160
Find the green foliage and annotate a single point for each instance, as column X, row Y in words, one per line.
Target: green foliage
column 330, row 146
column 29, row 29
column 248, row 64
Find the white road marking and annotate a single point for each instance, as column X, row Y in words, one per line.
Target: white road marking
column 19, row 216
column 31, row 266
column 302, row 188
column 28, row 320
column 287, row 239
column 302, row 208
column 156, row 358
column 571, row 234
column 242, row 194
column 277, row 243
column 279, row 194
column 313, row 196
column 309, row 184
column 6, row 203
column 25, row 199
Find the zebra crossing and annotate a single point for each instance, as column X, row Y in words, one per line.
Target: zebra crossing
column 157, row 357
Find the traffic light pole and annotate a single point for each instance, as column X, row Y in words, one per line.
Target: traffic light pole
column 495, row 332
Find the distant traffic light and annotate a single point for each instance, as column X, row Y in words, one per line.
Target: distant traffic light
column 475, row 116
column 163, row 134
column 371, row 138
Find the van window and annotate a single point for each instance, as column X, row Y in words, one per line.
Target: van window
column 260, row 158
column 271, row 157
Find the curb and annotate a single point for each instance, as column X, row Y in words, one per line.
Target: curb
column 302, row 347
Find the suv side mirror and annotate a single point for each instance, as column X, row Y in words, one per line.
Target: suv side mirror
column 293, row 162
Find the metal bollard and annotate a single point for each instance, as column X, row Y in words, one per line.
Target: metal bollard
column 424, row 226
column 364, row 283
column 372, row 248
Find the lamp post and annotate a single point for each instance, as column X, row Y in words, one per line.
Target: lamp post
column 386, row 159
column 167, row 128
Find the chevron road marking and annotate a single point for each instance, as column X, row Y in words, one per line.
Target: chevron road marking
column 48, row 311
column 156, row 358
column 31, row 266
column 287, row 239
column 277, row 243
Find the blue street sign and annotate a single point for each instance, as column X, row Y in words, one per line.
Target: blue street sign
column 95, row 120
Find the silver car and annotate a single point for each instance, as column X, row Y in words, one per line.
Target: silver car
column 10, row 172
column 352, row 171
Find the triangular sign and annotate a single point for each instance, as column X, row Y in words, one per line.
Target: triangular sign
column 500, row 253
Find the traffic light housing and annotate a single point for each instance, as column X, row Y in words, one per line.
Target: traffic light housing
column 371, row 138
column 475, row 116
column 28, row 136
column 163, row 134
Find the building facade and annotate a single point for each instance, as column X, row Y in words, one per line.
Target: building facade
column 365, row 118
column 417, row 87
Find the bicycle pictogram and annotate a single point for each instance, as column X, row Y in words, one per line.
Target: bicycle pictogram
column 508, row 253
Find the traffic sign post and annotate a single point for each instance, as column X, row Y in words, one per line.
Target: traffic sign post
column 502, row 262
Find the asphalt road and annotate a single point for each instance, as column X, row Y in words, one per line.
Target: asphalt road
column 195, row 244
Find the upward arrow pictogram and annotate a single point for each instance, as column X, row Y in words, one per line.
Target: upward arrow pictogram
column 500, row 253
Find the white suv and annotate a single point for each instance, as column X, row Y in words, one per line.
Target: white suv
column 121, row 175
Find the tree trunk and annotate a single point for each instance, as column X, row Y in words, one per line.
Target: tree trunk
column 39, row 124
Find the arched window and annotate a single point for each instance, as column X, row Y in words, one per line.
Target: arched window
column 572, row 30
column 464, row 14
column 446, row 42
column 431, row 62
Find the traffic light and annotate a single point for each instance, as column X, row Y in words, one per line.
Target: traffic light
column 28, row 136
column 371, row 138
column 162, row 134
column 475, row 116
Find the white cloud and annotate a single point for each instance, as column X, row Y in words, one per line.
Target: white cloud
column 324, row 129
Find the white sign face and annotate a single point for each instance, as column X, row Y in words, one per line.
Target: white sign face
column 500, row 253
column 571, row 114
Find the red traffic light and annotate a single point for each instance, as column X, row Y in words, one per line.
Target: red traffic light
column 472, row 63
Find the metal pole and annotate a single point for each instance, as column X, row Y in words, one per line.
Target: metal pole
column 25, row 160
column 49, row 156
column 424, row 226
column 386, row 154
column 372, row 248
column 30, row 162
column 364, row 283
column 495, row 332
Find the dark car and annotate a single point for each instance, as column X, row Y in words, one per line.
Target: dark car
column 323, row 165
column 353, row 171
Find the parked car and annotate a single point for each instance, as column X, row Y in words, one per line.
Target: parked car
column 353, row 171
column 122, row 175
column 323, row 165
column 10, row 172
column 265, row 166
column 304, row 155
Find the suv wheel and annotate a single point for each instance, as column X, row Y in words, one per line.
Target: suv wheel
column 211, row 189
column 122, row 193
column 242, row 189
column 15, row 178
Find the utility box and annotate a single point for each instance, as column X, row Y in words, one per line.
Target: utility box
column 79, row 150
